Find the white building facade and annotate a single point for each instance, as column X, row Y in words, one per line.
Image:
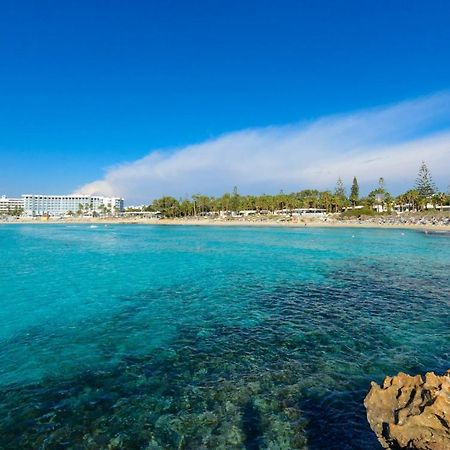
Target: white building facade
column 61, row 205
column 10, row 205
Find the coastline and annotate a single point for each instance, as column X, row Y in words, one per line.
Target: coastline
column 311, row 223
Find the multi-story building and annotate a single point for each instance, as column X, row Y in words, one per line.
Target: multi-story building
column 10, row 205
column 60, row 205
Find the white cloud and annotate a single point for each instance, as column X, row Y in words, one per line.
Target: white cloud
column 389, row 142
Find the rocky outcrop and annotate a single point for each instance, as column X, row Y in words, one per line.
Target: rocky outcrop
column 411, row 412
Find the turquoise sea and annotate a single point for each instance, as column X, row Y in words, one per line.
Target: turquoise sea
column 167, row 337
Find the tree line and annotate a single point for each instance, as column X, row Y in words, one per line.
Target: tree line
column 423, row 193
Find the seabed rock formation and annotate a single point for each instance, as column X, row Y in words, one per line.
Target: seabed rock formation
column 411, row 412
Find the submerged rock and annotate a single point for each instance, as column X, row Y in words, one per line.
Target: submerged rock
column 411, row 412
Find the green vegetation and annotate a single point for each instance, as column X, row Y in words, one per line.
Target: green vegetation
column 354, row 193
column 424, row 183
column 12, row 212
column 379, row 200
column 16, row 212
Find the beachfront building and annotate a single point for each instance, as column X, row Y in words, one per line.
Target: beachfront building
column 411, row 207
column 61, row 205
column 248, row 212
column 311, row 212
column 142, row 214
column 10, row 205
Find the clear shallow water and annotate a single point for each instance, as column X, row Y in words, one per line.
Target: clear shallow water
column 237, row 338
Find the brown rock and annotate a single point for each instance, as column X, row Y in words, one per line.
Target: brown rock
column 411, row 412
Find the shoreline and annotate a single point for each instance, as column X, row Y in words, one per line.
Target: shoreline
column 237, row 223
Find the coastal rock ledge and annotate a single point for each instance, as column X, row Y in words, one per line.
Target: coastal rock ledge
column 411, row 412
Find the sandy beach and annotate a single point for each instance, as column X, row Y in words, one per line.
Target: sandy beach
column 427, row 225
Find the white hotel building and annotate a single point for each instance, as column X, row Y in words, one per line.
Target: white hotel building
column 10, row 205
column 60, row 205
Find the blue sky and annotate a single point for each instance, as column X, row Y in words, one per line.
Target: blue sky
column 86, row 85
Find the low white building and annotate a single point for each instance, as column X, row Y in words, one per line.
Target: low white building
column 248, row 212
column 309, row 212
column 300, row 212
column 61, row 205
column 143, row 214
column 10, row 205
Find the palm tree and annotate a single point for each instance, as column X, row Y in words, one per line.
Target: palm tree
column 439, row 199
column 326, row 200
column 413, row 199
